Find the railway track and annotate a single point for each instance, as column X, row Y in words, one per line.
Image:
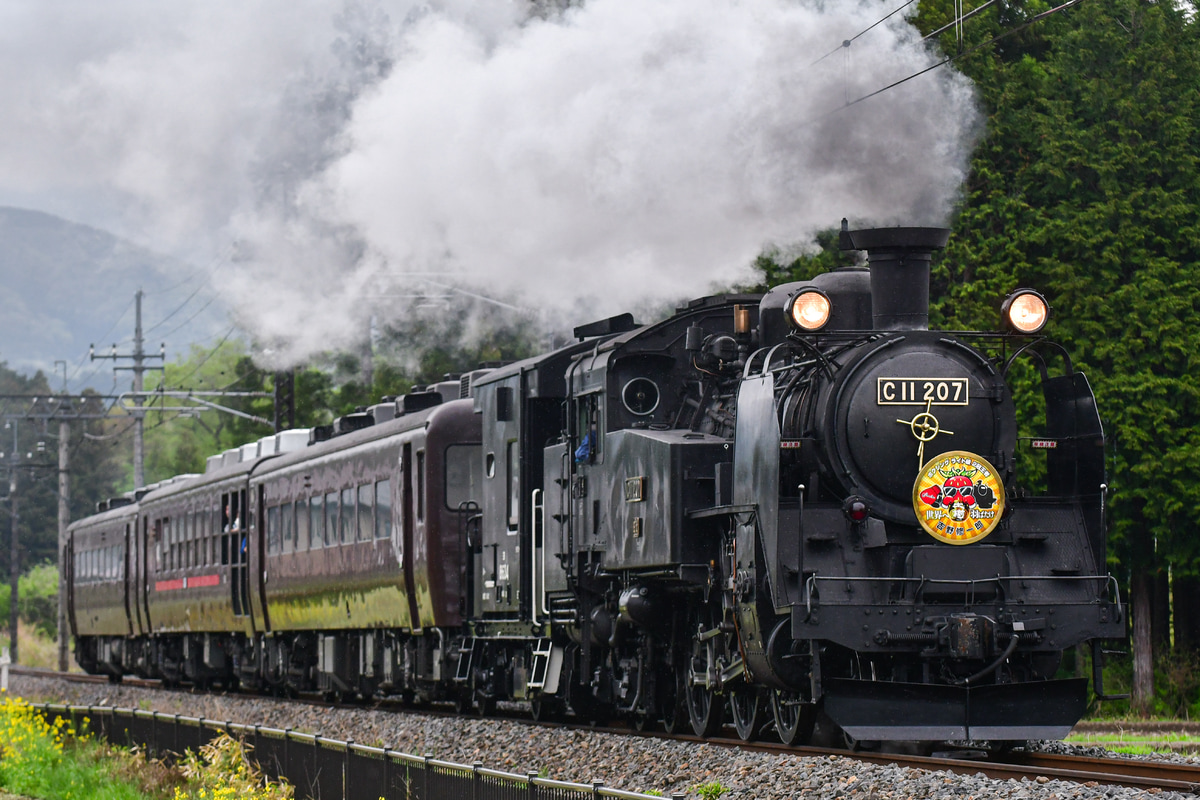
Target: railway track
column 1033, row 766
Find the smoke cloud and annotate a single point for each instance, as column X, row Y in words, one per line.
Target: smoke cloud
column 365, row 157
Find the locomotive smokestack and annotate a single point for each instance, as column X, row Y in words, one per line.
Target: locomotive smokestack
column 899, row 261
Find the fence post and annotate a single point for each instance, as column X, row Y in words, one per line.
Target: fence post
column 475, row 779
column 287, row 753
column 596, row 790
column 426, row 795
column 531, row 789
column 346, row 771
column 387, row 774
column 200, row 736
column 313, row 783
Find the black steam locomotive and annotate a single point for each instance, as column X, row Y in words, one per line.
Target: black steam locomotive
column 776, row 506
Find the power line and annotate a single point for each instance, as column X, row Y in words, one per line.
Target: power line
column 847, row 42
column 84, row 357
column 211, row 353
column 189, row 319
column 179, row 308
column 950, row 59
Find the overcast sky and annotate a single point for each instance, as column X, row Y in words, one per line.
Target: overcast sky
column 328, row 160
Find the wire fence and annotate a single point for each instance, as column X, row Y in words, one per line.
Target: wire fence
column 327, row 769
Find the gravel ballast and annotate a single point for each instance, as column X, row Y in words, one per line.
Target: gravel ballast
column 627, row 762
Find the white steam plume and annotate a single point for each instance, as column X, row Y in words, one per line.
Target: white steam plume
column 616, row 153
column 632, row 150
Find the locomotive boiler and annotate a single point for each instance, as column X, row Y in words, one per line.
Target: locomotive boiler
column 777, row 508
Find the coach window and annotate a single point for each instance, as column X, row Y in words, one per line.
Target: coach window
column 316, row 516
column 251, row 510
column 158, row 546
column 302, row 520
column 366, row 512
column 349, row 518
column 273, row 530
column 289, row 528
column 331, row 518
column 189, row 532
column 206, row 548
column 383, row 509
column 201, row 537
column 464, row 475
column 169, row 538
column 420, row 485
column 514, row 486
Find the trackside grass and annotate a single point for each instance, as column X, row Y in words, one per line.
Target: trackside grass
column 54, row 762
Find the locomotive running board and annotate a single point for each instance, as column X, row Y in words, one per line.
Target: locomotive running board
column 881, row 710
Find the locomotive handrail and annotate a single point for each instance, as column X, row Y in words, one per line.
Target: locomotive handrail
column 537, row 568
column 766, row 361
column 1042, row 367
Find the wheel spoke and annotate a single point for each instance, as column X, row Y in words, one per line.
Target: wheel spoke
column 706, row 710
column 794, row 719
column 748, row 712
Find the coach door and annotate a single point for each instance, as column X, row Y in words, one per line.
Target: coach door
column 408, row 493
column 257, row 567
column 127, row 579
column 143, row 560
column 235, row 550
column 68, row 562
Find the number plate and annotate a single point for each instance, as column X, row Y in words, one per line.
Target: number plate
column 920, row 391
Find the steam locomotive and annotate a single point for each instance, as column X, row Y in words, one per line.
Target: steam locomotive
column 776, row 507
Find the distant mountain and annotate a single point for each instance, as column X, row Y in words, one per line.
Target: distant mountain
column 64, row 286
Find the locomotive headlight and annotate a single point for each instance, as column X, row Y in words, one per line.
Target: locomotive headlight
column 1025, row 311
column 809, row 310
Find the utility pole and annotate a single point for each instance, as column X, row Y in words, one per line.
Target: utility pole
column 138, row 369
column 64, row 519
column 14, row 552
column 285, row 400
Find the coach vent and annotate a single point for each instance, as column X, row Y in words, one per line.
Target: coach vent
column 291, row 441
column 353, row 422
column 467, row 383
column 417, row 400
column 384, row 410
